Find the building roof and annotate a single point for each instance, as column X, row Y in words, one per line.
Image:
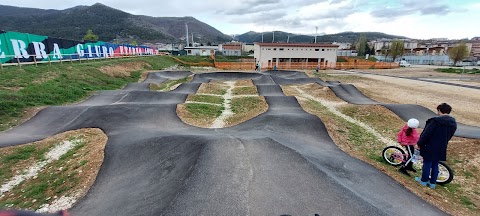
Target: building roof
column 296, row 45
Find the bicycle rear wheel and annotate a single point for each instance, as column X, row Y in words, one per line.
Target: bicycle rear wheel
column 393, row 155
column 445, row 174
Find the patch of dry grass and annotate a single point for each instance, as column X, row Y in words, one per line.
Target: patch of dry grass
column 249, row 90
column 122, row 69
column 212, row 88
column 248, row 82
column 71, row 175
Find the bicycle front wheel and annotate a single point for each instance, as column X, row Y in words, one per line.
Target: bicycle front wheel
column 393, row 155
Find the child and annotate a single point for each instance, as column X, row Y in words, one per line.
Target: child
column 408, row 137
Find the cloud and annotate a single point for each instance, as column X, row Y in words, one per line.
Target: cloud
column 409, row 7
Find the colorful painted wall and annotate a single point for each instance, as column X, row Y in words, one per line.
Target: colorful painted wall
column 21, row 47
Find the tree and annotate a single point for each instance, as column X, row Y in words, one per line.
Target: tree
column 458, row 53
column 385, row 50
column 134, row 43
column 397, row 49
column 362, row 42
column 89, row 36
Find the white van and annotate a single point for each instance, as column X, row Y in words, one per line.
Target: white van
column 404, row 63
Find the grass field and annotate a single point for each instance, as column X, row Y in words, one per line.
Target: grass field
column 44, row 85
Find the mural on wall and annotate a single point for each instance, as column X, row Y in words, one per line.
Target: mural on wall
column 21, row 47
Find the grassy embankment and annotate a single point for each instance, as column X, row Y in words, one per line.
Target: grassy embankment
column 22, row 89
column 462, row 195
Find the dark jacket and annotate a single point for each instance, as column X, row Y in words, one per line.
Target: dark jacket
column 434, row 138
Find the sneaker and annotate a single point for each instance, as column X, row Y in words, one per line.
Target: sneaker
column 432, row 186
column 419, row 180
column 404, row 171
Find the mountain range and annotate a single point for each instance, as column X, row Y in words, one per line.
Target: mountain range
column 279, row 36
column 106, row 22
column 118, row 26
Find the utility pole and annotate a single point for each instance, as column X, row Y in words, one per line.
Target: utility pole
column 186, row 26
column 263, row 30
column 273, row 35
column 288, row 38
column 192, row 40
column 316, row 33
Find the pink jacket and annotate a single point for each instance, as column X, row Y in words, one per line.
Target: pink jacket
column 403, row 139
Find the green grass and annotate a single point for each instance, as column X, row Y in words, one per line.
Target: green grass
column 165, row 86
column 458, row 70
column 467, row 202
column 206, row 99
column 244, row 104
column 250, row 90
column 8, row 161
column 44, row 85
column 201, row 111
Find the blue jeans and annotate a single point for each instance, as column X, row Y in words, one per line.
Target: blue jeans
column 430, row 171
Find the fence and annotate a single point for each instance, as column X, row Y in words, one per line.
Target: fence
column 306, row 65
column 67, row 59
column 21, row 48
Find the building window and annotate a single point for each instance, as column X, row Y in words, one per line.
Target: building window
column 323, row 50
column 281, row 49
column 316, row 50
column 263, row 48
column 274, row 48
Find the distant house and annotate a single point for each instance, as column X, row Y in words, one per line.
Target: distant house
column 201, row 50
column 295, row 54
column 232, row 49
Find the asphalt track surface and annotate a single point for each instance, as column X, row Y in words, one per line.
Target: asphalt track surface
column 281, row 162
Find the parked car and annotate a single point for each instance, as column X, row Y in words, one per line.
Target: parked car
column 404, row 63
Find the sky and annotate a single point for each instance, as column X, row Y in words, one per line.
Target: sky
column 419, row 19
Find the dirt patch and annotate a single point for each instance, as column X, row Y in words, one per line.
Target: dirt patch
column 244, row 83
column 212, row 88
column 122, row 69
column 71, row 175
column 415, row 72
column 144, row 75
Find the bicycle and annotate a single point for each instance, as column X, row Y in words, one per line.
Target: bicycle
column 396, row 156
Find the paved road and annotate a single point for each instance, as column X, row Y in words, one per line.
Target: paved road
column 281, row 162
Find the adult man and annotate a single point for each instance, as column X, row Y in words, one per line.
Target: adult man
column 433, row 143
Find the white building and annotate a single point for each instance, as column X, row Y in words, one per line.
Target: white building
column 201, row 50
column 292, row 55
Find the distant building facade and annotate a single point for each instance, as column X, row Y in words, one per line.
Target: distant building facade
column 232, row 49
column 201, row 50
column 275, row 54
column 432, row 52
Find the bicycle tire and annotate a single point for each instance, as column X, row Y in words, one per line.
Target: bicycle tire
column 445, row 174
column 393, row 155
